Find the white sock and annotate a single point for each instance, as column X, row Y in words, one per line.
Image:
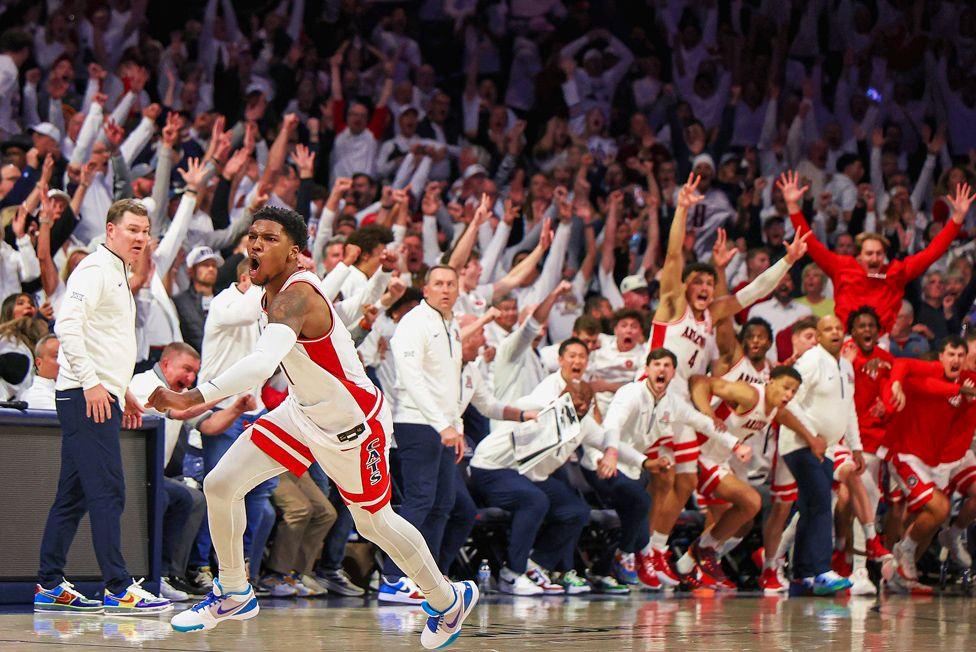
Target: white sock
column 870, row 531
column 729, row 546
column 909, row 545
column 659, row 541
column 769, row 562
column 706, row 540
column 685, row 564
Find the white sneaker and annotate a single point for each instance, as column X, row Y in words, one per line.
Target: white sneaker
column 216, row 608
column 906, row 561
column 442, row 628
column 314, row 588
column 861, row 584
column 537, row 575
column 171, row 594
column 956, row 546
column 402, row 592
column 513, row 584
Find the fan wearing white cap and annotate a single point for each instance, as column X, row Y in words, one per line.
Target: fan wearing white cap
column 712, row 213
column 194, row 304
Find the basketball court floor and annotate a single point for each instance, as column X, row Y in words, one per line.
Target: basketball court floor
column 501, row 623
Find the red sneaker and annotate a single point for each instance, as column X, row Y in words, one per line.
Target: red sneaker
column 839, row 563
column 769, row 582
column 646, row 572
column 662, row 566
column 710, row 567
column 876, row 551
column 759, row 557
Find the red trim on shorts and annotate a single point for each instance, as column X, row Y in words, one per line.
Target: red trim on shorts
column 708, row 479
column 266, row 445
column 374, row 471
column 962, row 480
column 919, row 492
column 285, row 437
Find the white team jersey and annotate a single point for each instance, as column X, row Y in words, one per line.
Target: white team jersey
column 326, row 379
column 690, row 340
column 742, row 426
column 745, row 371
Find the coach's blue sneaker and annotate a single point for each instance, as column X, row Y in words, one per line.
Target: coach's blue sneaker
column 403, row 591
column 827, row 583
column 135, row 601
column 624, row 569
column 216, row 608
column 444, row 626
column 64, row 597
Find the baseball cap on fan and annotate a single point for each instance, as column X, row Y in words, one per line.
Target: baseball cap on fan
column 202, row 254
column 703, row 159
column 47, row 129
column 633, row 283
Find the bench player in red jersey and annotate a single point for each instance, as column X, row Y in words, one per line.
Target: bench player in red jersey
column 333, row 415
column 867, row 279
column 929, row 449
column 683, row 323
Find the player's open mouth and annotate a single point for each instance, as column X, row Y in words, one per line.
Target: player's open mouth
column 255, row 263
column 660, row 379
column 576, row 369
column 628, row 341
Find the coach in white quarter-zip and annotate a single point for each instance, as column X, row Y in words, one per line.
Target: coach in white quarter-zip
column 427, row 419
column 97, row 329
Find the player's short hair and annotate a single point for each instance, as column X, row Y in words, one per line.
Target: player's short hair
column 587, row 324
column 757, row 322
column 951, row 342
column 433, row 269
column 806, row 324
column 290, row 221
column 626, row 313
column 863, row 310
column 570, row 341
column 783, row 370
column 868, row 235
column 178, row 348
column 368, row 237
column 660, row 353
column 123, row 206
column 700, row 268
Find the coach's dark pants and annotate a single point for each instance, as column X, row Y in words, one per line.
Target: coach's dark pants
column 629, row 498
column 814, row 530
column 548, row 517
column 91, row 481
column 459, row 524
column 427, row 475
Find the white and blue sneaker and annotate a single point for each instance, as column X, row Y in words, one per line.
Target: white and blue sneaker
column 216, row 608
column 827, row 583
column 403, row 591
column 443, row 627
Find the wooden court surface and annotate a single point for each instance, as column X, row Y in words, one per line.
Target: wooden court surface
column 595, row 624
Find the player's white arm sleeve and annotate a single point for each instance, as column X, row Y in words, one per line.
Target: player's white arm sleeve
column 253, row 369
column 409, row 348
column 81, row 295
column 332, row 283
column 763, row 284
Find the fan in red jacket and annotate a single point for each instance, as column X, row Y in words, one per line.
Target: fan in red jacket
column 866, row 279
column 933, row 404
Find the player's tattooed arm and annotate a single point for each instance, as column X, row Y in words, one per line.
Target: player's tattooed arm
column 291, row 307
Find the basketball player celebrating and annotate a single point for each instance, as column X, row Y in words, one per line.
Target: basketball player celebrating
column 746, row 410
column 867, row 278
column 333, row 415
column 683, row 323
column 931, row 455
